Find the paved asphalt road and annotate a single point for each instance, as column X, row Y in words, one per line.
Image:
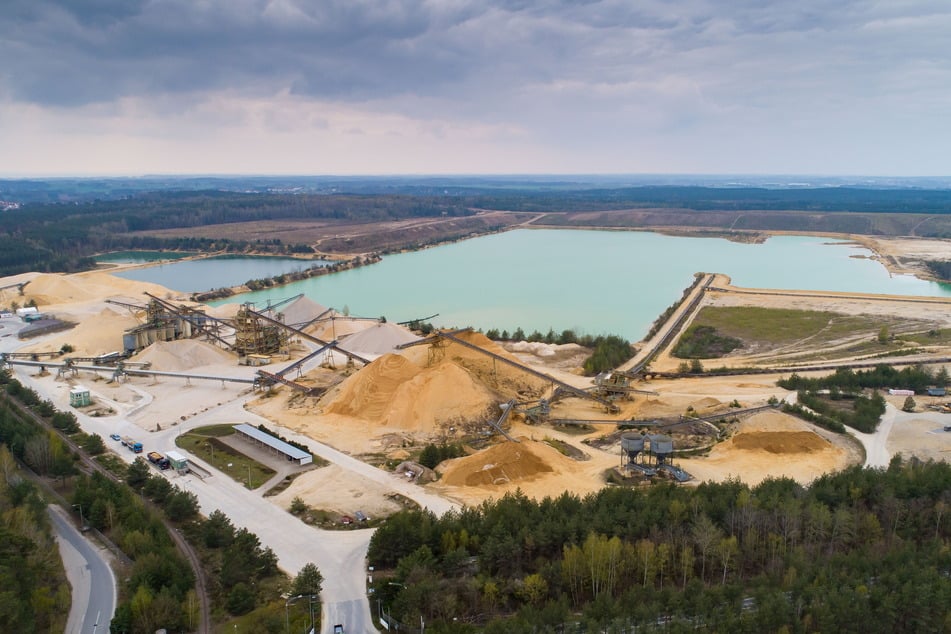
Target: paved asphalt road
column 340, row 555
column 89, row 574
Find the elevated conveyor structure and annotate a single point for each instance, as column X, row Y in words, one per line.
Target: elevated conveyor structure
column 272, row 379
column 506, row 410
column 199, row 322
column 34, row 356
column 121, row 370
column 666, row 423
column 300, row 362
column 18, row 286
column 129, row 305
column 566, row 387
column 304, row 335
column 283, row 302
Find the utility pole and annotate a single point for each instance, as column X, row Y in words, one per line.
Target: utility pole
column 82, row 522
column 250, row 488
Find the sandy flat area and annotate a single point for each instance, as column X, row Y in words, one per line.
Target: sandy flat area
column 774, row 445
column 339, row 491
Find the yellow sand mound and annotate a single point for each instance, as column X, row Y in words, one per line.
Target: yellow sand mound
column 50, row 289
column 95, row 334
column 781, row 442
column 395, row 392
column 501, row 377
column 478, row 339
column 368, row 393
column 505, row 463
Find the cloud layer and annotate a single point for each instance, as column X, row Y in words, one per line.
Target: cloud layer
column 456, row 85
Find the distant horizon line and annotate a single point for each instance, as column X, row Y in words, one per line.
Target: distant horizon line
column 757, row 175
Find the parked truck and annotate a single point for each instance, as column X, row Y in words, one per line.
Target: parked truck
column 159, row 460
column 133, row 445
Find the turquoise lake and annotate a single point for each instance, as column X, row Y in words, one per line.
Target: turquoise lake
column 216, row 272
column 590, row 281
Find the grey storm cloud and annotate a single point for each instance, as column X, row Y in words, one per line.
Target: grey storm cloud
column 73, row 52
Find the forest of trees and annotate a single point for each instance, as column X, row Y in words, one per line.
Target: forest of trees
column 34, row 595
column 940, row 268
column 838, row 410
column 917, row 378
column 159, row 590
column 608, row 351
column 860, row 550
column 704, row 342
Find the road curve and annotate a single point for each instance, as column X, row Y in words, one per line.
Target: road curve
column 87, row 569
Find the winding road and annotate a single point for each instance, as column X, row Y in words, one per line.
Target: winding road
column 87, row 569
column 340, row 555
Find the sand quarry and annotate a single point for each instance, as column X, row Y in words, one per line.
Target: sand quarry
column 404, row 399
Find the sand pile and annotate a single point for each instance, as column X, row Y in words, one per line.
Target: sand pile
column 507, row 380
column 339, row 328
column 368, row 393
column 225, row 311
column 773, row 444
column 378, row 339
column 537, row 348
column 182, row 355
column 51, row 288
column 299, row 311
column 781, row 442
column 502, row 464
column 95, row 334
column 395, row 392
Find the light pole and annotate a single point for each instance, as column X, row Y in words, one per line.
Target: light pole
column 288, row 601
column 212, row 447
column 310, row 604
column 250, row 488
column 82, row 522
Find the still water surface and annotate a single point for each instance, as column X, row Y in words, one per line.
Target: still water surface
column 217, row 272
column 590, row 281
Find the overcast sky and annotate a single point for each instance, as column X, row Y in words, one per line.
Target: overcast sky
column 475, row 86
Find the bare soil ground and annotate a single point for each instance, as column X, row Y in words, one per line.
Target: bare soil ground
column 351, row 238
column 338, row 491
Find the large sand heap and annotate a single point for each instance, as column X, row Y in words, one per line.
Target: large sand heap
column 378, row 339
column 397, row 393
column 505, row 463
column 299, row 311
column 508, row 380
column 182, row 355
column 50, row 289
column 339, row 327
column 225, row 311
column 94, row 334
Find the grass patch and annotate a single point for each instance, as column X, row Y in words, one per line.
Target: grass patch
column 225, row 458
column 773, row 327
column 270, row 618
column 935, row 336
column 216, row 431
column 113, row 464
column 704, row 342
column 566, row 449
